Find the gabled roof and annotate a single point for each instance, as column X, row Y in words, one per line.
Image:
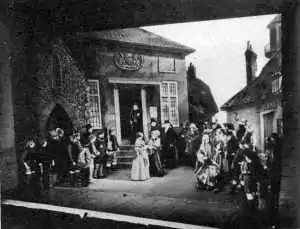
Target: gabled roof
column 138, row 36
column 257, row 90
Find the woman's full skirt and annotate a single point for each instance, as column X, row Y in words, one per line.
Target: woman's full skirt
column 156, row 167
column 140, row 168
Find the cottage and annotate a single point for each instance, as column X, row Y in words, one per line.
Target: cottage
column 128, row 66
column 259, row 102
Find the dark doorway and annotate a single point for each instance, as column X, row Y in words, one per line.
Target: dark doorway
column 128, row 96
column 268, row 124
column 59, row 119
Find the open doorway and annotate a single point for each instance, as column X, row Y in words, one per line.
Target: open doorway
column 59, row 119
column 129, row 95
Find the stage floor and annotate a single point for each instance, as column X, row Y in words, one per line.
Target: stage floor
column 172, row 198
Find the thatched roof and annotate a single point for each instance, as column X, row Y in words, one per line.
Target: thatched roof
column 201, row 100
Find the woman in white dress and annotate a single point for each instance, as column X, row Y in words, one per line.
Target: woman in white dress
column 140, row 165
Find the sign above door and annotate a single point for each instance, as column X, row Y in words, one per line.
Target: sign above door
column 128, row 61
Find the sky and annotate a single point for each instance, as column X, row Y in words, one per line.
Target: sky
column 220, row 45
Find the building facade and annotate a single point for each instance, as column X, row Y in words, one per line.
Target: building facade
column 260, row 101
column 134, row 66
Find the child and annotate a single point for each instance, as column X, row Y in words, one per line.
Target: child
column 84, row 161
column 100, row 156
column 112, row 148
column 33, row 169
column 140, row 165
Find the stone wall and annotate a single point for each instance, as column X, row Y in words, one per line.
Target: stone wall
column 34, row 94
column 68, row 88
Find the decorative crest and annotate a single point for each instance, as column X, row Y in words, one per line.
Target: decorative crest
column 128, row 61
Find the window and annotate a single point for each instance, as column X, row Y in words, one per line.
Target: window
column 166, row 64
column 280, row 126
column 94, row 104
column 169, row 103
column 277, row 83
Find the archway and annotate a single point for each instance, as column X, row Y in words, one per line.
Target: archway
column 59, row 119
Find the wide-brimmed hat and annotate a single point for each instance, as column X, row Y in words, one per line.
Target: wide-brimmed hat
column 193, row 126
column 156, row 133
column 53, row 133
column 207, row 131
column 99, row 132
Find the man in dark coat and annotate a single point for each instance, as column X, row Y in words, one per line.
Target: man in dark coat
column 62, row 155
column 47, row 161
column 275, row 178
column 170, row 154
column 136, row 123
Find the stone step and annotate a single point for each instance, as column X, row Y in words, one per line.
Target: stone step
column 124, row 165
column 125, row 159
column 126, row 147
column 125, row 156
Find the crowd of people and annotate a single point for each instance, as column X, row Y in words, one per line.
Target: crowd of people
column 228, row 155
column 220, row 154
column 61, row 159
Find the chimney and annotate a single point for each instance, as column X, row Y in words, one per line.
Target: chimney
column 251, row 65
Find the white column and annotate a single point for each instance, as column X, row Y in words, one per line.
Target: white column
column 144, row 110
column 117, row 113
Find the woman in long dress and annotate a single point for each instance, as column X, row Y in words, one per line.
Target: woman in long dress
column 140, row 165
column 205, row 170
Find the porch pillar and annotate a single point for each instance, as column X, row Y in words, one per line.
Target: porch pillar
column 144, row 110
column 117, row 113
column 290, row 182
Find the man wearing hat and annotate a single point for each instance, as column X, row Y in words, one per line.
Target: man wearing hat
column 135, row 121
column 252, row 172
column 170, row 154
column 100, row 155
column 153, row 125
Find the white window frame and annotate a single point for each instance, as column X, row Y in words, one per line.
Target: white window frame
column 169, row 101
column 99, row 101
column 158, row 64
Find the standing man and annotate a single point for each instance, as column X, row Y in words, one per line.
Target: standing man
column 170, row 154
column 135, row 121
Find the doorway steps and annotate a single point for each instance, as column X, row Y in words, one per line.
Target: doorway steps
column 125, row 156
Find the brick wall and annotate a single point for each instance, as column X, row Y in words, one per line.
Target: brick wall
column 68, row 90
